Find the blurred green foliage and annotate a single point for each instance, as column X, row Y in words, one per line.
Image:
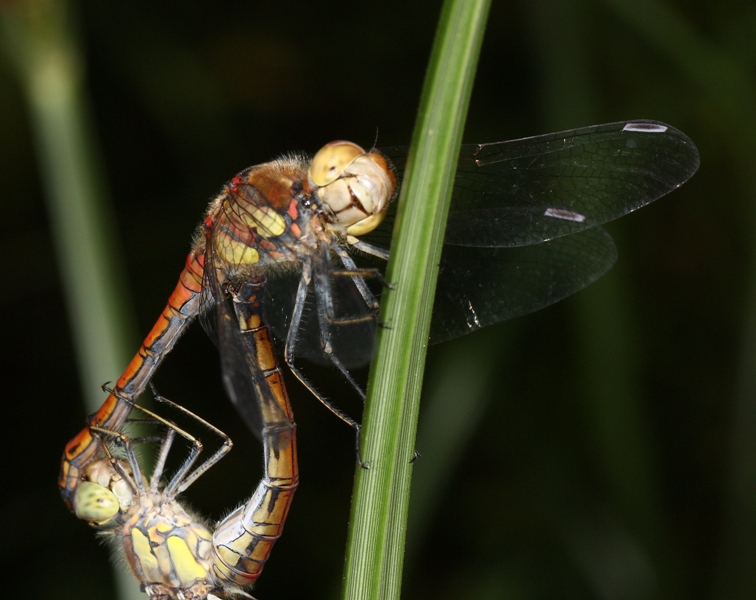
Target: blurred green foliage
column 611, row 448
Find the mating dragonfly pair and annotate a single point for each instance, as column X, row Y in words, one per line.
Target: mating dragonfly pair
column 279, row 255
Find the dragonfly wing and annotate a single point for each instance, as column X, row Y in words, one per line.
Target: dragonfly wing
column 513, row 226
column 527, row 191
column 477, row 288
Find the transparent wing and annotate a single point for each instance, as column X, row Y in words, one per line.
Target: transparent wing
column 522, row 230
column 478, row 288
column 527, row 191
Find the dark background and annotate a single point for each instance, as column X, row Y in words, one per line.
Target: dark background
column 608, row 454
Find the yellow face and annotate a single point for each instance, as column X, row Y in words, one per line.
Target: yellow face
column 357, row 186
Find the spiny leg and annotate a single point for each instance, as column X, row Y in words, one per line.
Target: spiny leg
column 136, row 477
column 291, row 343
column 376, row 251
column 324, row 301
column 179, row 482
column 182, row 479
column 172, row 429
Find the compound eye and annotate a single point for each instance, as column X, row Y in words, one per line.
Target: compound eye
column 94, row 503
column 331, row 161
column 366, row 225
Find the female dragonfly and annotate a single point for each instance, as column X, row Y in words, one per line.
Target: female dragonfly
column 523, row 233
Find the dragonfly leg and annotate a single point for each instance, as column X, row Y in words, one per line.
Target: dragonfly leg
column 381, row 253
column 135, row 477
column 111, row 485
column 183, row 478
column 358, row 277
column 289, row 355
column 180, row 480
column 350, row 265
column 172, row 429
column 324, row 306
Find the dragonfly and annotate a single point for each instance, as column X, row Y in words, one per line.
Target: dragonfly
column 523, row 232
column 171, row 552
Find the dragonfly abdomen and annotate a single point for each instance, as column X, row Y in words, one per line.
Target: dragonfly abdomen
column 243, row 540
column 183, row 305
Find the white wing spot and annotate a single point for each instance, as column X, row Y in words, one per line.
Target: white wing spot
column 564, row 214
column 645, row 127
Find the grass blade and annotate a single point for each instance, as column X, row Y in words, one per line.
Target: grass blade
column 381, row 497
column 40, row 40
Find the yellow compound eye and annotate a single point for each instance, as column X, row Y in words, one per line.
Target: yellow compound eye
column 366, row 225
column 331, row 161
column 94, row 503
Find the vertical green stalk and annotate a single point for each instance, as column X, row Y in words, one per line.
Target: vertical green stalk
column 39, row 39
column 41, row 42
column 381, row 496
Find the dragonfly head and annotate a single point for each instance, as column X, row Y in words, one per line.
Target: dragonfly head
column 356, row 186
column 103, row 494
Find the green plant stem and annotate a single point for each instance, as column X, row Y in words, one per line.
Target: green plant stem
column 45, row 52
column 381, row 496
column 41, row 42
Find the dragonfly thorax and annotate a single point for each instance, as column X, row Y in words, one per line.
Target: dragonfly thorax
column 169, row 551
column 263, row 217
